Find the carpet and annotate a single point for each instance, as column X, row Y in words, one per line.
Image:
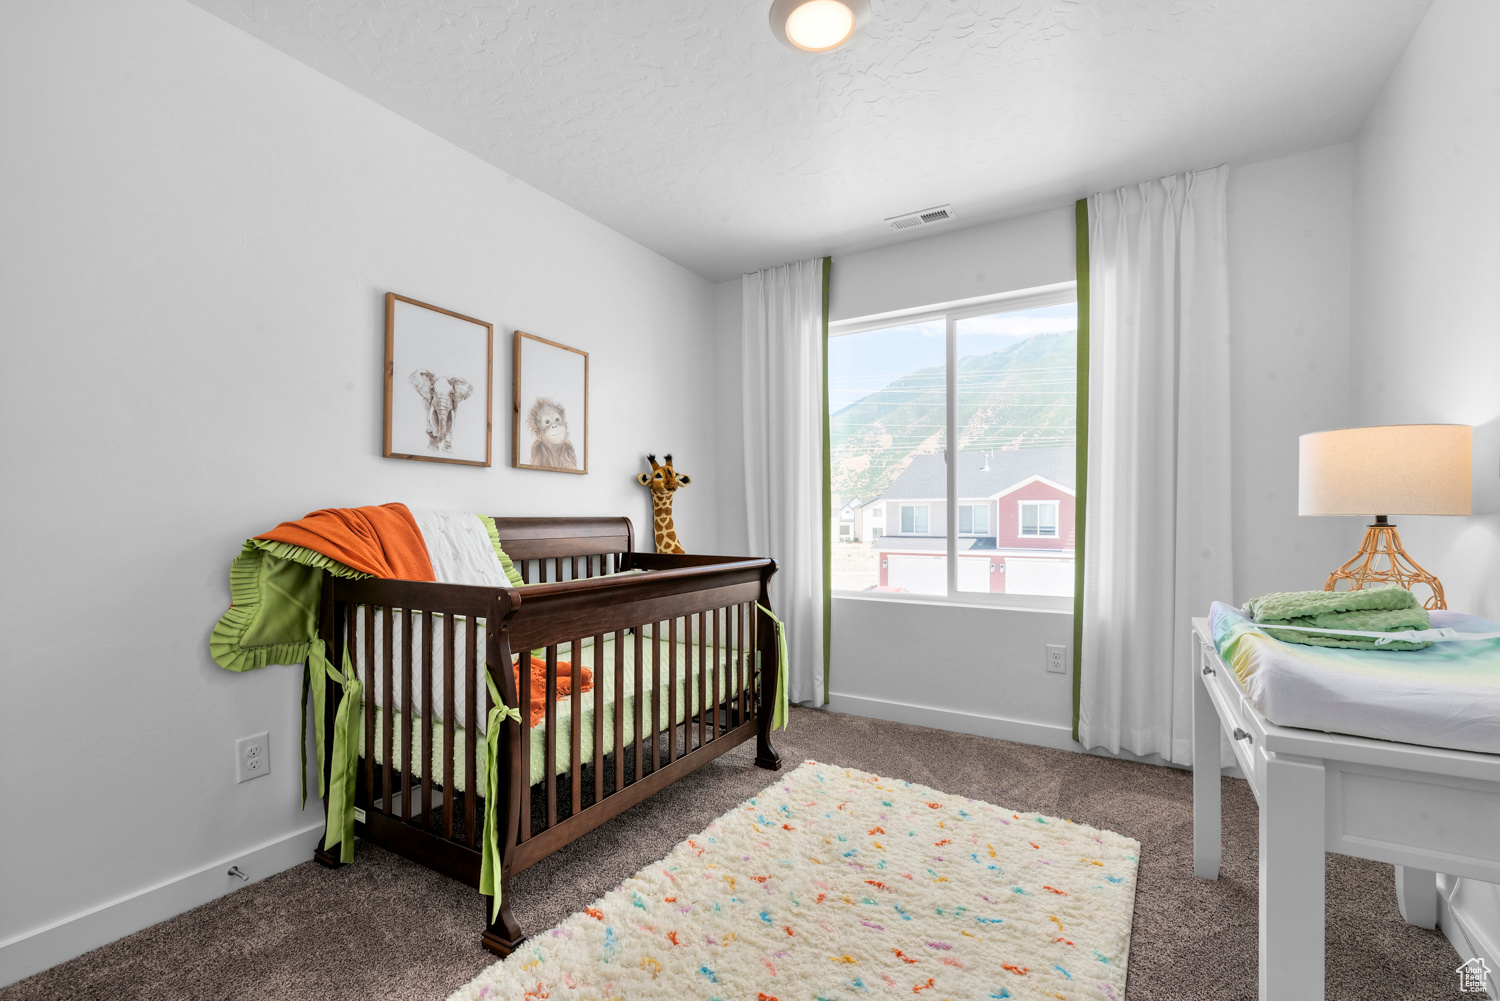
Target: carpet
column 834, row 883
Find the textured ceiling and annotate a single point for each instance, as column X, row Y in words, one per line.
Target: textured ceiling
column 686, row 126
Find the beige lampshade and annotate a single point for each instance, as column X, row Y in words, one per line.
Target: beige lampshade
column 1396, row 469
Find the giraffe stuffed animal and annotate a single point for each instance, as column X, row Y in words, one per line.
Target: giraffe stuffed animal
column 663, row 481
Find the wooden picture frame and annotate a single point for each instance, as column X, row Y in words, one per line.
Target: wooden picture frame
column 441, row 356
column 553, row 386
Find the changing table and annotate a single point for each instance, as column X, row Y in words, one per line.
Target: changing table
column 1426, row 810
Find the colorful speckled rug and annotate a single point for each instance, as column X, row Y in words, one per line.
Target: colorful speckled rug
column 838, row 884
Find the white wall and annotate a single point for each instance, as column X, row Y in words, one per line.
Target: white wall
column 1289, row 258
column 1426, row 314
column 198, row 232
column 1426, row 307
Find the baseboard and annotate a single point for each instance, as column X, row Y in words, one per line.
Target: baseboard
column 42, row 948
column 1020, row 731
column 1469, row 914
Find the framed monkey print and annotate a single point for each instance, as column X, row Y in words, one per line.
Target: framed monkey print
column 550, row 406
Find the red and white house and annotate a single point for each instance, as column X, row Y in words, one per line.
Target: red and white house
column 1015, row 523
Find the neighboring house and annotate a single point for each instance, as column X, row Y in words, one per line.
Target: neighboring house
column 859, row 522
column 1015, row 523
column 850, row 521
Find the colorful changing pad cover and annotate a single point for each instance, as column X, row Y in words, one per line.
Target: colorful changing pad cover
column 1447, row 695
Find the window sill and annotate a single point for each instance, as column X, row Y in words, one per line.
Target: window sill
column 999, row 602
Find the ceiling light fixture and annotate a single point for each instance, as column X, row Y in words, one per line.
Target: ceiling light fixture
column 817, row 25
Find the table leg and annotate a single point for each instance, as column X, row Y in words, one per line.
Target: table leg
column 1207, row 839
column 1417, row 896
column 1292, row 839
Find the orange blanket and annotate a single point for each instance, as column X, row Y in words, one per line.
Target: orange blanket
column 381, row 541
column 564, row 684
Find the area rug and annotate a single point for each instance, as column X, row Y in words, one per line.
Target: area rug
column 834, row 883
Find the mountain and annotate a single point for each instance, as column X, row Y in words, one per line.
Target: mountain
column 1022, row 397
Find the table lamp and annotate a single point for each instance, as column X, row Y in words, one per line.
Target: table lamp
column 1396, row 469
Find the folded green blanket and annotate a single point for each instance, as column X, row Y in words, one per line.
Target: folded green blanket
column 1378, row 610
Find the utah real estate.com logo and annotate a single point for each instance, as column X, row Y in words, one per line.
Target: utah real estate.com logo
column 1473, row 977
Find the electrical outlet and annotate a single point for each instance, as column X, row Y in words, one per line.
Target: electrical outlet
column 1057, row 659
column 252, row 757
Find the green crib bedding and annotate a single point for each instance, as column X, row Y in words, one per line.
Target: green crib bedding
column 604, row 688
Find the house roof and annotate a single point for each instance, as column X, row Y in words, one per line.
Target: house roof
column 927, row 475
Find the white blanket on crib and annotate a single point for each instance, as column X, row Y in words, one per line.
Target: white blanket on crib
column 459, row 546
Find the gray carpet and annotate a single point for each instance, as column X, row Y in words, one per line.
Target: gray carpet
column 386, row 928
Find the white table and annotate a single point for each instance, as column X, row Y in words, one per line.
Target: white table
column 1425, row 810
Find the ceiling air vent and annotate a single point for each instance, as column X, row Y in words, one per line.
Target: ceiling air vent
column 941, row 213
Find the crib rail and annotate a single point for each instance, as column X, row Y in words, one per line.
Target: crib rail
column 682, row 664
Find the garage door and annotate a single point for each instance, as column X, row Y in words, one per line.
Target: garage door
column 1023, row 576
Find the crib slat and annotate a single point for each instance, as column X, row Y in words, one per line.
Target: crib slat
column 408, row 708
column 388, row 710
column 449, row 697
column 523, row 690
column 549, row 736
column 369, row 682
column 702, row 686
column 599, row 717
column 471, row 731
column 426, row 718
column 575, row 725
column 755, row 674
column 672, row 692
column 742, row 661
column 640, row 698
column 525, row 567
column 574, row 574
column 619, row 710
column 739, row 661
column 714, row 722
column 655, row 696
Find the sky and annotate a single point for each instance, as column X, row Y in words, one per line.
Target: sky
column 859, row 364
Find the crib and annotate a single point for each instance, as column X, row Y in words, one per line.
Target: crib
column 684, row 663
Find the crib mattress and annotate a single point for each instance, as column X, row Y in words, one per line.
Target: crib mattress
column 604, row 689
column 1447, row 695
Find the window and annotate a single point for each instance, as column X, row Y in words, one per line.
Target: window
column 935, row 406
column 1038, row 519
column 846, row 532
column 914, row 519
column 973, row 519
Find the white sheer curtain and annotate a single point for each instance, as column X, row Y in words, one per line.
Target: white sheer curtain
column 783, row 354
column 1157, row 541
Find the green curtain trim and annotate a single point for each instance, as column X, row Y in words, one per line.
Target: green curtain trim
column 489, row 862
column 511, row 573
column 780, row 711
column 827, row 508
column 1081, row 474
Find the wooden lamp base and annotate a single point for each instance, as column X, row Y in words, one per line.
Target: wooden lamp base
column 1381, row 560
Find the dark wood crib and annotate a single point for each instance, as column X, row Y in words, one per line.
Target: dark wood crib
column 432, row 811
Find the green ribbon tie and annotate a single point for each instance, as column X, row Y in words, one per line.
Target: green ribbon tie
column 489, row 865
column 779, row 711
column 340, row 791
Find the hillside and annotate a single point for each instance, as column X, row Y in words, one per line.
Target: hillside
column 1024, row 396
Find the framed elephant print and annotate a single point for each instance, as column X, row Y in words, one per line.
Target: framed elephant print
column 438, row 387
column 550, row 406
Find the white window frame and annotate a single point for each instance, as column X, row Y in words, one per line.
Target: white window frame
column 951, row 313
column 1040, row 502
column 983, row 509
column 926, row 510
